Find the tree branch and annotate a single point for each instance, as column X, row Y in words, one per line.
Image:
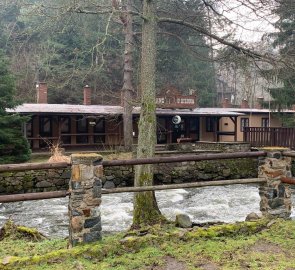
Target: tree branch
column 186, row 45
column 85, row 11
column 219, row 39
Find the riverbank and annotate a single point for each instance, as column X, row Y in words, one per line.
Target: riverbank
column 246, row 245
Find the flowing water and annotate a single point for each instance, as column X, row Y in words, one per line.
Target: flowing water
column 224, row 203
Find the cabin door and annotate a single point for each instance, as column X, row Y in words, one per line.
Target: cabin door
column 194, row 128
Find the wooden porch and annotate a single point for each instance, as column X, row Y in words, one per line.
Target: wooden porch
column 270, row 136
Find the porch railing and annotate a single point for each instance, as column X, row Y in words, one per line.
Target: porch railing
column 270, row 136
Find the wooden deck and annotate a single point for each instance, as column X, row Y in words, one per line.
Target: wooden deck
column 270, row 136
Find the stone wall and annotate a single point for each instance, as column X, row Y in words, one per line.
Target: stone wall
column 58, row 179
column 181, row 172
column 206, row 170
column 210, row 146
column 34, row 181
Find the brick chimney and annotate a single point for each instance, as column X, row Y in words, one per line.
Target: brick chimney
column 244, row 104
column 226, row 103
column 87, row 95
column 258, row 103
column 41, row 88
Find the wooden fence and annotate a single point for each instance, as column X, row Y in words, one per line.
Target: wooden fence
column 130, row 162
column 87, row 171
column 270, row 136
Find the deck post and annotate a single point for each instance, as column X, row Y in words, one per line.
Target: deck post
column 85, row 198
column 275, row 195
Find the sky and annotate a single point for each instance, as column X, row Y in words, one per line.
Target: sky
column 251, row 24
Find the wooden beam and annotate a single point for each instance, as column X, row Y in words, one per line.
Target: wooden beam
column 64, row 193
column 289, row 153
column 182, row 158
column 33, row 196
column 32, row 166
column 185, row 185
column 288, row 180
column 138, row 161
column 235, row 128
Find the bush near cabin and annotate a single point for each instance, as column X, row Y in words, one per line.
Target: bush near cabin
column 13, row 146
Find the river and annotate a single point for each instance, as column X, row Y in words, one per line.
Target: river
column 223, row 203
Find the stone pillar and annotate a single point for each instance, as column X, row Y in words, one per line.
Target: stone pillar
column 85, row 198
column 275, row 195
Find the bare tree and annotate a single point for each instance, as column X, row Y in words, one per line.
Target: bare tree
column 127, row 92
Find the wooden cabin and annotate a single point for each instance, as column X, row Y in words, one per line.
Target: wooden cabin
column 101, row 126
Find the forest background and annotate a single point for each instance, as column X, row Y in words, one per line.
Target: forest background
column 70, row 44
column 100, row 43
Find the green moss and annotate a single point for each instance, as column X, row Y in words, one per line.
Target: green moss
column 6, row 174
column 32, row 233
column 12, row 231
column 146, row 211
column 228, row 246
column 28, row 177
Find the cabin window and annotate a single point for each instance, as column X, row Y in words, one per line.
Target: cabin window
column 244, row 123
column 265, row 122
column 45, row 126
column 210, row 124
column 99, row 131
column 82, row 127
column 65, row 124
column 193, row 124
column 29, row 129
column 65, row 128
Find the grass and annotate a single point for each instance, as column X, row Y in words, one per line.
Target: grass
column 241, row 246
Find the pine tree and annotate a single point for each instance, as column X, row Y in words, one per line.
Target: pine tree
column 13, row 146
column 285, row 42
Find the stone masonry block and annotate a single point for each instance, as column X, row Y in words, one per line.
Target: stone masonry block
column 75, row 176
column 91, row 237
column 98, row 171
column 85, row 158
column 275, row 200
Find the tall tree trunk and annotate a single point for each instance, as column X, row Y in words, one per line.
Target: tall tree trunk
column 127, row 89
column 146, row 210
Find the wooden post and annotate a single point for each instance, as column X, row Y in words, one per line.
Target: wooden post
column 235, row 128
column 275, row 195
column 85, row 198
column 35, row 131
column 73, row 130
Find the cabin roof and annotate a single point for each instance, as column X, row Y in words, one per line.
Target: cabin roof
column 38, row 108
column 34, row 108
column 254, row 110
column 28, row 108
